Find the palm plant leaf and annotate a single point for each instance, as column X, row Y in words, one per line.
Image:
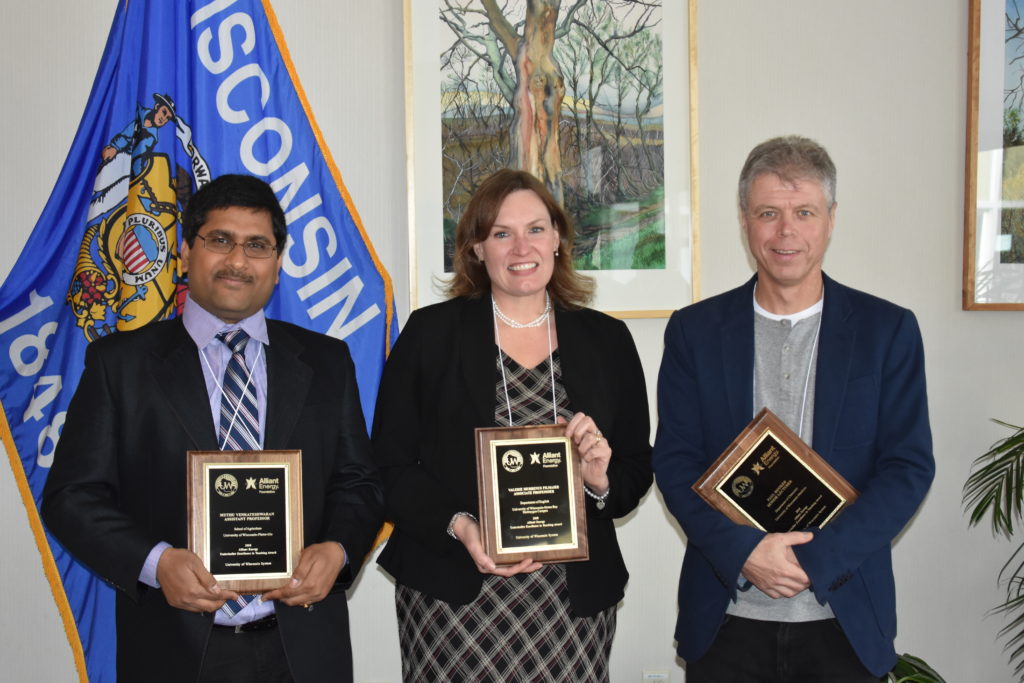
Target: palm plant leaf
column 1014, row 630
column 996, row 486
column 911, row 669
column 996, row 489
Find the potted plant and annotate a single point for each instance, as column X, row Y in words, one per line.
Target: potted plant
column 995, row 489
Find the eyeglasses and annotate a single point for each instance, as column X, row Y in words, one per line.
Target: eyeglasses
column 219, row 244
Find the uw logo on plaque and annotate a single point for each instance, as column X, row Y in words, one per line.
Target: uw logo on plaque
column 742, row 486
column 512, row 461
column 226, row 485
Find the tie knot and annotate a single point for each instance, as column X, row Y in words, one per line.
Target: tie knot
column 234, row 340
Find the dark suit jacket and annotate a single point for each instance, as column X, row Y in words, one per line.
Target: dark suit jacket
column 118, row 484
column 870, row 423
column 439, row 384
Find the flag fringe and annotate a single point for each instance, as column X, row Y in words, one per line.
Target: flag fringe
column 46, row 556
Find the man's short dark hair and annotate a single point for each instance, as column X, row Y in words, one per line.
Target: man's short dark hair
column 229, row 191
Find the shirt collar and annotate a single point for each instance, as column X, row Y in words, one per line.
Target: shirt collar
column 204, row 326
column 794, row 318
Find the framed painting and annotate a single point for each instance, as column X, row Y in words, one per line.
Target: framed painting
column 618, row 116
column 994, row 194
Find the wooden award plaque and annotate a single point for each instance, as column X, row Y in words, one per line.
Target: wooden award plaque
column 769, row 479
column 245, row 516
column 531, row 495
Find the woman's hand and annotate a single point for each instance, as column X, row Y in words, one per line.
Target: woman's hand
column 593, row 450
column 468, row 532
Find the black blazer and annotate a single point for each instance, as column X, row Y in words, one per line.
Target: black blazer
column 118, row 484
column 439, row 384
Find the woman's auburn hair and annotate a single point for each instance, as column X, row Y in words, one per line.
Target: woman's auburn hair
column 567, row 288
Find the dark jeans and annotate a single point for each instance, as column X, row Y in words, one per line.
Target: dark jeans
column 752, row 651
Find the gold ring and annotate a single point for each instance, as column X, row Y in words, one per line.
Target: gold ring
column 306, row 605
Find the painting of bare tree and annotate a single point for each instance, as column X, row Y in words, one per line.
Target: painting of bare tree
column 994, row 216
column 1012, row 224
column 569, row 90
column 573, row 91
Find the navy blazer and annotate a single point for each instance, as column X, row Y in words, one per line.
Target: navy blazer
column 118, row 484
column 439, row 384
column 870, row 423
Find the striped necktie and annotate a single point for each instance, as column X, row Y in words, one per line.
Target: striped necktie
column 239, row 414
column 239, row 419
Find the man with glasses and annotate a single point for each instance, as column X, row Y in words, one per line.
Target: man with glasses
column 219, row 377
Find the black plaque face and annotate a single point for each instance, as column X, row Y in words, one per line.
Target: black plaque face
column 533, row 493
column 249, row 532
column 776, row 491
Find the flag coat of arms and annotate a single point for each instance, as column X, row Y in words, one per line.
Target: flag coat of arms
column 185, row 91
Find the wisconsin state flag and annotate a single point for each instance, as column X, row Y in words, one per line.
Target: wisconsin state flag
column 186, row 91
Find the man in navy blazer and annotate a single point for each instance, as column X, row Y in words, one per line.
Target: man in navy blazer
column 843, row 369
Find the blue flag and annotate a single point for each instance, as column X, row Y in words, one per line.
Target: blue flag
column 186, row 91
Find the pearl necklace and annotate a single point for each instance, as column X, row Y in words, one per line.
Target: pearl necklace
column 551, row 361
column 514, row 324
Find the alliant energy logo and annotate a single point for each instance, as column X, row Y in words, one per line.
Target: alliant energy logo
column 269, row 484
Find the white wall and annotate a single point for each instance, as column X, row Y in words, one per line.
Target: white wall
column 881, row 84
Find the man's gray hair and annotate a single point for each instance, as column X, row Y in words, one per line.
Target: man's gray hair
column 791, row 158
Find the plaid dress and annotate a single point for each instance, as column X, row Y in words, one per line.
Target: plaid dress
column 520, row 628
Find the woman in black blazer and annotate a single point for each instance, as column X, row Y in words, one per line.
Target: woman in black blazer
column 513, row 345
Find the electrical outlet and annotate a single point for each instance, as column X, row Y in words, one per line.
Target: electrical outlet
column 656, row 676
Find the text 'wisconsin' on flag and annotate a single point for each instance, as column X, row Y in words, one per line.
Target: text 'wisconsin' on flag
column 185, row 91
